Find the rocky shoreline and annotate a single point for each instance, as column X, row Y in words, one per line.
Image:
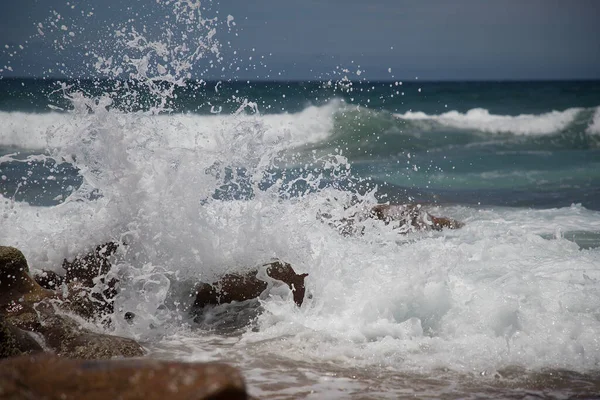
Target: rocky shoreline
column 47, row 354
column 40, row 336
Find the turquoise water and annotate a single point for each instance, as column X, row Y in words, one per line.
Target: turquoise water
column 526, row 144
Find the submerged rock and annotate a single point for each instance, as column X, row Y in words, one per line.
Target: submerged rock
column 29, row 307
column 405, row 218
column 238, row 287
column 411, row 217
column 50, row 377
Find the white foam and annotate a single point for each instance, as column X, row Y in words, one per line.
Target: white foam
column 480, row 119
column 49, row 130
column 594, row 127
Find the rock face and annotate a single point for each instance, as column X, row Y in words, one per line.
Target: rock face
column 26, row 306
column 237, row 287
column 35, row 377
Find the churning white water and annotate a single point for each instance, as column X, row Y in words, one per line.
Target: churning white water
column 514, row 288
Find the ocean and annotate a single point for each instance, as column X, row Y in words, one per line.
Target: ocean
column 221, row 177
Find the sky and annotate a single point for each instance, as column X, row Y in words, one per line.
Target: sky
column 311, row 39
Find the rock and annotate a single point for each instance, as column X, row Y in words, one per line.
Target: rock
column 95, row 264
column 53, row 378
column 49, row 279
column 29, row 307
column 237, row 287
column 284, row 272
column 88, row 291
column 15, row 281
column 87, row 278
column 411, row 217
column 405, row 218
column 68, row 339
column 14, row 341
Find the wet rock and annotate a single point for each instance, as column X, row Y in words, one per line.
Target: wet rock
column 49, row 279
column 405, row 218
column 284, row 272
column 88, row 278
column 238, row 287
column 87, row 289
column 15, row 281
column 27, row 306
column 53, row 378
column 14, row 341
column 95, row 264
column 410, row 217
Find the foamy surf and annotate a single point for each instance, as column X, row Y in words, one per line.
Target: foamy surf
column 509, row 300
column 36, row 131
column 481, row 120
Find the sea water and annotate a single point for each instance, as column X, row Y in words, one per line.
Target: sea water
column 202, row 178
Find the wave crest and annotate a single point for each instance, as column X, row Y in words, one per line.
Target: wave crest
column 480, row 119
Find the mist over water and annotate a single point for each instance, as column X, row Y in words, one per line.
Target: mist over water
column 202, row 179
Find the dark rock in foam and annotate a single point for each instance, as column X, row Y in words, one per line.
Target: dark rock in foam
column 90, row 291
column 29, row 307
column 238, row 287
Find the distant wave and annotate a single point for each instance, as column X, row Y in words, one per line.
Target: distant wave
column 335, row 125
column 480, row 119
column 594, row 127
column 42, row 130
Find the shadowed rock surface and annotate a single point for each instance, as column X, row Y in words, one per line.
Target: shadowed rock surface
column 29, row 307
column 14, row 341
column 36, row 377
column 238, row 287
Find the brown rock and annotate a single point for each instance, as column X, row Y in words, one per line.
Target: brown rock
column 16, row 286
column 53, row 378
column 68, row 339
column 284, row 272
column 14, row 341
column 411, row 217
column 88, row 293
column 237, row 287
column 29, row 307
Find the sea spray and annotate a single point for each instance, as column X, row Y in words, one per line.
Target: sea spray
column 192, row 197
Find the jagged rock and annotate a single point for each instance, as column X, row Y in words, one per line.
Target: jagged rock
column 95, row 264
column 28, row 306
column 53, row 378
column 237, row 287
column 88, row 291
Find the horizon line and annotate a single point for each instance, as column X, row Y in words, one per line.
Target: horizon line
column 299, row 80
